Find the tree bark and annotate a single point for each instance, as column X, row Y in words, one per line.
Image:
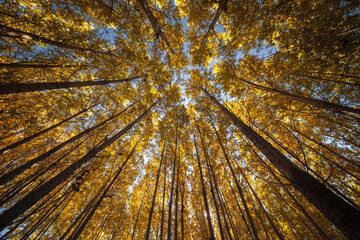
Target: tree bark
column 211, row 229
column 38, row 65
column 247, row 211
column 163, row 205
column 172, row 189
column 14, row 33
column 17, row 171
column 36, row 195
column 155, row 23
column 147, row 234
column 81, row 228
column 344, row 216
column 29, row 138
column 33, row 87
column 336, row 108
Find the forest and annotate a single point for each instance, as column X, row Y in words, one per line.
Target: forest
column 184, row 119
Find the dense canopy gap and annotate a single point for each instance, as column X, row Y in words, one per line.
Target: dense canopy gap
column 179, row 119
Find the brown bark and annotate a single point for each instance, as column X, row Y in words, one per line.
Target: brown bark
column 336, row 108
column 29, row 138
column 78, row 232
column 247, row 211
column 33, row 87
column 212, row 183
column 14, row 33
column 137, row 217
column 155, row 23
column 147, row 234
column 163, row 205
column 172, row 189
column 344, row 216
column 38, row 65
column 222, row 7
column 34, row 196
column 211, row 229
column 176, row 223
column 17, row 171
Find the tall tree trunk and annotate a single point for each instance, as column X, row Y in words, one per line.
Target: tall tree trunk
column 77, row 233
column 176, row 223
column 163, row 205
column 172, row 189
column 182, row 210
column 222, row 7
column 344, row 216
column 32, row 87
column 14, row 33
column 276, row 230
column 38, row 65
column 247, row 211
column 155, row 23
column 29, row 138
column 36, row 195
column 147, row 234
column 336, row 108
column 137, row 217
column 17, row 171
column 211, row 229
column 212, row 183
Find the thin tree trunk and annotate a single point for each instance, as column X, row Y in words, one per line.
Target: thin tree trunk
column 212, row 183
column 247, row 211
column 155, row 23
column 172, row 189
column 222, row 7
column 38, row 65
column 336, row 108
column 29, row 138
column 77, row 233
column 14, row 33
column 176, row 223
column 182, row 210
column 344, row 216
column 163, row 205
column 137, row 217
column 34, row 196
column 17, row 171
column 276, row 230
column 147, row 234
column 33, row 87
column 211, row 229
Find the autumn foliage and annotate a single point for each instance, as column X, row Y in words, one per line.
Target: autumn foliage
column 179, row 119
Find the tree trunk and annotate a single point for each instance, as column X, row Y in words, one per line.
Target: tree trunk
column 176, row 223
column 336, row 108
column 78, row 232
column 38, row 65
column 212, row 183
column 36, row 195
column 222, row 7
column 172, row 189
column 211, row 229
column 155, row 23
column 182, row 210
column 32, row 87
column 137, row 217
column 27, row 139
column 147, row 234
column 344, row 216
column 14, row 33
column 163, row 205
column 17, row 171
column 248, row 215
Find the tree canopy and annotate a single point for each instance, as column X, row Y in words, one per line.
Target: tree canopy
column 179, row 119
